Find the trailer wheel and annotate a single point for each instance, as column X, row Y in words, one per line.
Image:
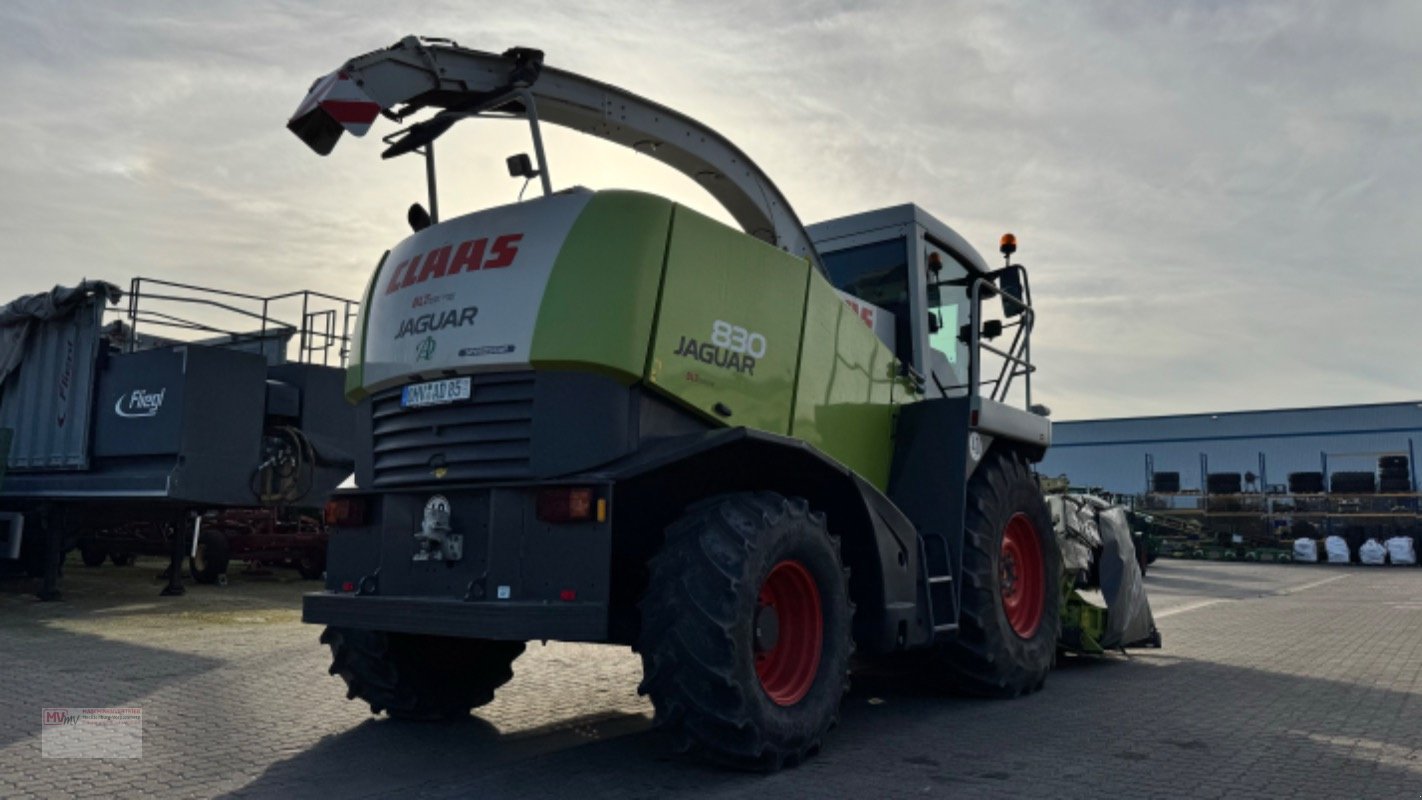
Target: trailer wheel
column 746, row 633
column 92, row 554
column 311, row 566
column 211, row 557
column 1011, row 593
column 417, row 677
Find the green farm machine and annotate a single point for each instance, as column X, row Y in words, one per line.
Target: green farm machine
column 604, row 417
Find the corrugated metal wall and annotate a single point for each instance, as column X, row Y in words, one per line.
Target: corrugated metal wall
column 1111, row 453
column 49, row 399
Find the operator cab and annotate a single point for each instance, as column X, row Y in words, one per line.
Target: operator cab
column 928, row 280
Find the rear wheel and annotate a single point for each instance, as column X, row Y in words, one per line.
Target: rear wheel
column 745, row 637
column 1011, row 593
column 419, row 677
column 123, row 559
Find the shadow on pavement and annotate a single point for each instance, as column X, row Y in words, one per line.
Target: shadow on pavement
column 1139, row 725
column 65, row 675
column 134, row 590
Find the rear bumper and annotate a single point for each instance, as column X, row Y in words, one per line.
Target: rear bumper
column 572, row 622
column 515, row 577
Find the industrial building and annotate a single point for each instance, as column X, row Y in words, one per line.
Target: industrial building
column 1263, row 447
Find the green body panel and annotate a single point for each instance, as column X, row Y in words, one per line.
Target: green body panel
column 1083, row 624
column 728, row 326
column 601, row 299
column 846, row 386
column 725, row 324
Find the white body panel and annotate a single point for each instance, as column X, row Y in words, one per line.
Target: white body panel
column 464, row 295
column 881, row 322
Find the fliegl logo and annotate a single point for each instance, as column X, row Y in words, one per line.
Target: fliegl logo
column 441, row 262
column 140, row 403
column 731, row 347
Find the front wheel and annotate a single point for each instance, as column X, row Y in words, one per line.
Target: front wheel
column 745, row 636
column 1011, row 594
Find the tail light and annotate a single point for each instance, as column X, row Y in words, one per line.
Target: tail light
column 345, row 512
column 560, row 504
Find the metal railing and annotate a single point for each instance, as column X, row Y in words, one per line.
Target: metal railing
column 321, row 323
column 1016, row 360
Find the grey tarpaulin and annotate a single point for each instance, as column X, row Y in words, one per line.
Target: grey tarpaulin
column 1091, row 530
column 1074, row 518
column 18, row 316
column 1128, row 619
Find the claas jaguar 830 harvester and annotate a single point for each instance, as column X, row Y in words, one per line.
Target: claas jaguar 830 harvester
column 604, row 417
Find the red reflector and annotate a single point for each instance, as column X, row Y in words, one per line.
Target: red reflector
column 565, row 504
column 345, row 511
column 348, row 587
column 567, row 595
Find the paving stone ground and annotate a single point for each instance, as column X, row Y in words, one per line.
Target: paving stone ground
column 1275, row 681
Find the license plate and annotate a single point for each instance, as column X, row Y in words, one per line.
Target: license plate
column 435, row 393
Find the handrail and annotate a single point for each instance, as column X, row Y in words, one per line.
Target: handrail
column 316, row 332
column 1017, row 359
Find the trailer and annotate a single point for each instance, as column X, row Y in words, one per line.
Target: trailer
column 162, row 403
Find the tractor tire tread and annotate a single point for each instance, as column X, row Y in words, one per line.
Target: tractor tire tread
column 981, row 659
column 688, row 641
column 419, row 677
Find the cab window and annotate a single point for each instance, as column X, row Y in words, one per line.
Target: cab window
column 949, row 305
column 877, row 273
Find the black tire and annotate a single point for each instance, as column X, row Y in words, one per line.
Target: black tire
column 987, row 657
column 1395, row 486
column 311, row 566
column 1352, row 483
column 1306, row 482
column 1224, row 482
column 211, row 558
column 1166, row 482
column 92, row 555
column 416, row 677
column 703, row 619
column 123, row 559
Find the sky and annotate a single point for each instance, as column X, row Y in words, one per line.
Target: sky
column 1220, row 202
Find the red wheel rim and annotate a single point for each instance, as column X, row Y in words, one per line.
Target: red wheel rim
column 1020, row 576
column 788, row 657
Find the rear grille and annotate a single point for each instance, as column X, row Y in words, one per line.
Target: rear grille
column 484, row 438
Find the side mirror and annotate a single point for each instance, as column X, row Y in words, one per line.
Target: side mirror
column 934, row 326
column 1009, row 280
column 418, row 217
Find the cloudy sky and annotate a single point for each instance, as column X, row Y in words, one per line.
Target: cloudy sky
column 1220, row 202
